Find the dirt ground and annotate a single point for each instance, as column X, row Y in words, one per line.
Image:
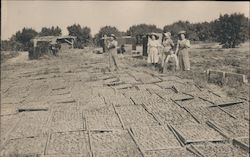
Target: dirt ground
column 72, row 106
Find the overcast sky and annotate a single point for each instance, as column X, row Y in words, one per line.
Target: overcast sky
column 95, row 14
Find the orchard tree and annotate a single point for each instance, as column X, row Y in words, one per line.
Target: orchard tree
column 24, row 37
column 178, row 26
column 82, row 33
column 106, row 30
column 231, row 30
column 142, row 29
column 205, row 31
column 53, row 31
column 195, row 31
column 138, row 31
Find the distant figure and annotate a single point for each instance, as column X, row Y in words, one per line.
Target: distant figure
column 54, row 47
column 121, row 50
column 105, row 43
column 183, row 45
column 168, row 45
column 112, row 47
column 153, row 51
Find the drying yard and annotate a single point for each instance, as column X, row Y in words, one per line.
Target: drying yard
column 72, row 106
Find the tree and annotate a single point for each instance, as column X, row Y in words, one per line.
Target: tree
column 53, row 31
column 82, row 33
column 231, row 30
column 142, row 29
column 181, row 25
column 106, row 30
column 195, row 31
column 24, row 37
column 6, row 45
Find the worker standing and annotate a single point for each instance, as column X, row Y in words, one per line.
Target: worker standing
column 153, row 50
column 112, row 48
column 168, row 45
column 183, row 45
column 54, row 46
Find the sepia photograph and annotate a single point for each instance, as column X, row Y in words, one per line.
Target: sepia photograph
column 124, row 78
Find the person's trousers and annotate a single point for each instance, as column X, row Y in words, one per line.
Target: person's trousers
column 113, row 61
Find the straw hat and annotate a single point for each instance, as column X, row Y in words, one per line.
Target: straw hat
column 167, row 34
column 182, row 32
column 154, row 34
column 112, row 35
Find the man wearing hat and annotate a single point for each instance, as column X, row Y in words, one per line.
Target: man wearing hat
column 112, row 47
column 183, row 45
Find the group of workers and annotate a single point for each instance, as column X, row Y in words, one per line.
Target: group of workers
column 162, row 54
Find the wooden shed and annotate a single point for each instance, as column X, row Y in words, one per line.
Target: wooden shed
column 42, row 45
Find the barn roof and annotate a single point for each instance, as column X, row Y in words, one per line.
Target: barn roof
column 66, row 37
column 52, row 38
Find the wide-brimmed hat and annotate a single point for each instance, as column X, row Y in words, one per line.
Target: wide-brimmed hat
column 167, row 34
column 154, row 34
column 112, row 35
column 182, row 32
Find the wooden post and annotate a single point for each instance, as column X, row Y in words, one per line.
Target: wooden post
column 72, row 43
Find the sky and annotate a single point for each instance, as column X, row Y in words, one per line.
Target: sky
column 37, row 14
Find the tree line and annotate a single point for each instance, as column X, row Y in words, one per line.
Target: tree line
column 228, row 30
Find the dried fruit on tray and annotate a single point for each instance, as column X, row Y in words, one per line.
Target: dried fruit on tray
column 135, row 116
column 193, row 133
column 155, row 138
column 66, row 143
column 24, row 146
column 115, row 143
column 220, row 149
